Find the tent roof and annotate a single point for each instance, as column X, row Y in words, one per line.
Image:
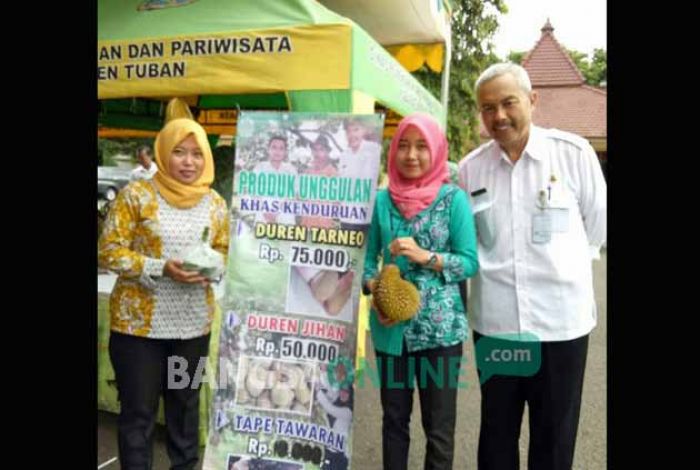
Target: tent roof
column 121, row 19
column 324, row 51
column 392, row 22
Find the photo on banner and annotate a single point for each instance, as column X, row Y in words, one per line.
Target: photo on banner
column 303, row 194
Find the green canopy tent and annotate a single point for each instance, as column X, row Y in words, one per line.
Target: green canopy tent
column 229, row 54
column 224, row 55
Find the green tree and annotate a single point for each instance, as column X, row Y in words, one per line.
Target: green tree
column 474, row 22
column 516, row 57
column 109, row 148
column 594, row 71
column 598, row 71
column 579, row 58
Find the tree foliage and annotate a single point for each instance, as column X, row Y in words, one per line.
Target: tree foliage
column 597, row 72
column 107, row 149
column 516, row 57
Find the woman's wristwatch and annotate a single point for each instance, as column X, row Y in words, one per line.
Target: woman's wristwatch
column 432, row 261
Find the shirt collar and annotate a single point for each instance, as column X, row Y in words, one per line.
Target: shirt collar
column 535, row 147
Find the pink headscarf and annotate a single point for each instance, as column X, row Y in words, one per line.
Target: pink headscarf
column 413, row 195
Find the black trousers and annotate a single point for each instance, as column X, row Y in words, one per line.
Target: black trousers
column 140, row 367
column 553, row 396
column 438, row 403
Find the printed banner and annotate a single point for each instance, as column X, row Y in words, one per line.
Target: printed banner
column 239, row 62
column 304, row 190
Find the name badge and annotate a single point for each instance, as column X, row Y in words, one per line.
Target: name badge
column 560, row 218
column 541, row 228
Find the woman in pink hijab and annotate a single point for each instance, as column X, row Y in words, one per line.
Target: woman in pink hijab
column 423, row 224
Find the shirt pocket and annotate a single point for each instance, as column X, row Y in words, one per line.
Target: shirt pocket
column 485, row 226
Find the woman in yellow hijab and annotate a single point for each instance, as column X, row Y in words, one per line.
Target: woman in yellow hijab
column 158, row 309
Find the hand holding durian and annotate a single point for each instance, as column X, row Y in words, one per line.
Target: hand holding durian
column 407, row 246
column 383, row 319
column 393, row 298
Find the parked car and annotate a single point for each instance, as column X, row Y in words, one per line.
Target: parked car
column 110, row 179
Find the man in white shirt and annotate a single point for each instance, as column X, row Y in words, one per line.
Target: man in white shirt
column 276, row 163
column 539, row 200
column 359, row 160
column 146, row 169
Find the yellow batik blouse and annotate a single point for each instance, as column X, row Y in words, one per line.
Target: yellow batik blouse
column 141, row 233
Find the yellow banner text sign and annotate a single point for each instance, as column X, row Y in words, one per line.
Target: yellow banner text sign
column 296, row 58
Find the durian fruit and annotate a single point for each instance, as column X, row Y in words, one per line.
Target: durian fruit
column 256, row 380
column 396, row 299
column 243, row 396
column 298, row 407
column 282, row 396
column 302, row 390
column 271, row 379
column 283, row 391
column 264, row 400
column 263, row 362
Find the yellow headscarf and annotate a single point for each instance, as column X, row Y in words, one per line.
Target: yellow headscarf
column 182, row 196
column 177, row 108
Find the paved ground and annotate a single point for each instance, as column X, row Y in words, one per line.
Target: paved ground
column 590, row 450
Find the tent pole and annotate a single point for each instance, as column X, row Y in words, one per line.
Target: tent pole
column 445, row 86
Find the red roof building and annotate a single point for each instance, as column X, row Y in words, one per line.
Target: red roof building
column 565, row 101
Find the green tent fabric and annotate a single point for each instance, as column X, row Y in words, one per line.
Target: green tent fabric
column 331, row 64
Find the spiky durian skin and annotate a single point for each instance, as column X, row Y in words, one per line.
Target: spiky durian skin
column 397, row 299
